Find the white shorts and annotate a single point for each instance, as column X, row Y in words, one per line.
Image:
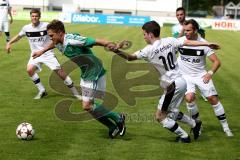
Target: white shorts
column 207, row 89
column 50, row 61
column 4, row 26
column 93, row 89
column 173, row 97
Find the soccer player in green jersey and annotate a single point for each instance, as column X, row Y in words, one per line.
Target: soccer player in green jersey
column 93, row 83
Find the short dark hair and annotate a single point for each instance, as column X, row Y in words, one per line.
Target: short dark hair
column 152, row 27
column 35, row 10
column 193, row 22
column 180, row 9
column 56, row 26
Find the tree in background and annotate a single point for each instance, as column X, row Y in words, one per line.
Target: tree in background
column 205, row 5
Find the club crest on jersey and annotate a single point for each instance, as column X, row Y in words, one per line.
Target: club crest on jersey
column 156, row 51
column 198, row 53
column 41, row 33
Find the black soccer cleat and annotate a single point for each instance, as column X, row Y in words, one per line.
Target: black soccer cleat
column 197, row 129
column 113, row 133
column 121, row 125
column 183, row 140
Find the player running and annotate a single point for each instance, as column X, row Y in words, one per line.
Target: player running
column 37, row 36
column 161, row 53
column 93, row 82
column 192, row 63
column 5, row 10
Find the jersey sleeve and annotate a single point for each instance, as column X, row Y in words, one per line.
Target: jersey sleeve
column 90, row 42
column 178, row 42
column 208, row 51
column 22, row 32
column 82, row 41
column 143, row 54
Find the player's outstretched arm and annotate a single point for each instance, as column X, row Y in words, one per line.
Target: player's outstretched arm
column 129, row 57
column 102, row 42
column 13, row 40
column 39, row 53
column 198, row 43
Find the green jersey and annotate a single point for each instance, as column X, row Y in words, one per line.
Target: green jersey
column 78, row 49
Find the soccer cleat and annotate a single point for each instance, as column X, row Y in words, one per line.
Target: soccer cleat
column 183, row 140
column 79, row 97
column 40, row 95
column 121, row 125
column 197, row 129
column 228, row 133
column 113, row 133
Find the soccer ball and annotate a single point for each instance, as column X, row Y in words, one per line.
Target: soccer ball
column 25, row 131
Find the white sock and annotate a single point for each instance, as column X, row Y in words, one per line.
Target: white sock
column 173, row 126
column 220, row 113
column 35, row 78
column 186, row 119
column 69, row 83
column 193, row 110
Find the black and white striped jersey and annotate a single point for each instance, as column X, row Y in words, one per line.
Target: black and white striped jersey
column 192, row 59
column 37, row 37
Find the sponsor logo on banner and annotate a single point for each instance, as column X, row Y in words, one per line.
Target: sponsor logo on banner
column 85, row 18
column 226, row 25
column 109, row 19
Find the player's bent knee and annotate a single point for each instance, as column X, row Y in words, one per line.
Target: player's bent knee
column 213, row 100
column 160, row 115
column 189, row 98
column 30, row 71
column 61, row 73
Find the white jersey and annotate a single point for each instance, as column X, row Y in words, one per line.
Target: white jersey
column 176, row 29
column 192, row 60
column 162, row 54
column 37, row 37
column 4, row 7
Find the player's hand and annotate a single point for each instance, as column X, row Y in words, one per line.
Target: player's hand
column 37, row 54
column 8, row 48
column 11, row 21
column 111, row 47
column 114, row 47
column 125, row 44
column 206, row 78
column 214, row 46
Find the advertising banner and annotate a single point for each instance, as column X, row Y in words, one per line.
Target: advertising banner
column 226, row 25
column 109, row 19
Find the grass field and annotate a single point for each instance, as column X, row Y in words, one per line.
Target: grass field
column 145, row 139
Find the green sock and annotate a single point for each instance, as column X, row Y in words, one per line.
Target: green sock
column 103, row 119
column 109, row 114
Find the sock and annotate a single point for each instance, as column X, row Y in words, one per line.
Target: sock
column 35, row 78
column 102, row 118
column 109, row 114
column 173, row 127
column 220, row 113
column 193, row 110
column 69, row 83
column 7, row 36
column 186, row 119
